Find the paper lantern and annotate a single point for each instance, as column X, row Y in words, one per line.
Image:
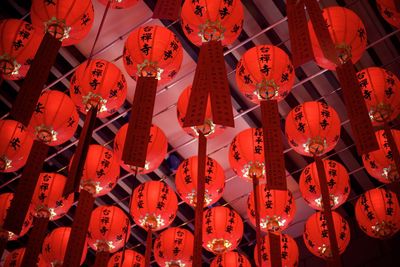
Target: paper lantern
column 14, row 258
column 55, row 119
column 378, row 213
column 222, row 229
column 19, row 43
column 131, row 259
column 15, row 144
column 119, row 4
column 380, row 89
column 154, row 205
column 156, row 149
column 107, row 229
column 277, row 208
column 55, row 245
column 174, row 247
column 337, row 181
column 389, row 11
column 312, row 128
column 98, row 83
column 348, row 35
column 316, row 234
column 230, row 259
column 265, row 72
column 186, row 181
column 69, row 21
column 289, row 251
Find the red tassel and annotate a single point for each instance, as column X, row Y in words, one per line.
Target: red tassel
column 167, row 9
column 275, row 249
column 3, row 242
column 198, row 225
column 149, row 248
column 273, row 146
column 137, row 137
column 357, row 111
column 22, row 199
column 78, row 162
column 36, row 238
column 80, row 224
column 300, row 41
column 326, row 203
column 102, row 259
column 258, row 227
column 35, row 79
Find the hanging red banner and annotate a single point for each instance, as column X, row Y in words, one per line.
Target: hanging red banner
column 275, row 247
column 149, row 247
column 3, row 242
column 357, row 111
column 102, row 258
column 167, row 9
column 256, row 196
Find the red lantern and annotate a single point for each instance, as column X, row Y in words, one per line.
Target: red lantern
column 107, row 229
column 156, row 149
column 68, row 21
column 18, row 45
column 55, row 119
column 222, row 229
column 277, row 208
column 312, row 128
column 380, row 88
column 174, row 247
column 378, row 213
column 230, row 259
column 186, row 181
column 131, row 259
column 15, row 144
column 265, row 72
column 316, row 238
column 98, row 83
column 55, row 245
column 348, row 35
column 119, row 4
column 289, row 251
column 14, row 258
column 390, row 11
column 337, row 181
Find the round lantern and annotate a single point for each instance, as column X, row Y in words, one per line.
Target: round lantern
column 209, row 129
column 316, row 234
column 222, row 229
column 230, row 259
column 389, row 11
column 99, row 83
column 107, row 229
column 378, row 213
column 289, row 251
column 153, row 51
column 379, row 163
column 186, row 181
column 131, row 259
column 156, row 149
column 265, row 72
column 380, row 89
column 19, row 43
column 312, row 128
column 55, row 245
column 55, row 119
column 348, row 35
column 14, row 259
column 154, row 205
column 337, row 181
column 277, row 208
column 5, row 202
column 69, row 21
column 207, row 20
column 101, row 170
column 15, row 144
column 48, row 200
column 174, row 247
column 119, row 4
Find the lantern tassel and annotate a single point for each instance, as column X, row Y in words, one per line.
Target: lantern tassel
column 327, row 211
column 77, row 240
column 35, row 79
column 298, row 31
column 275, row 249
column 167, row 9
column 3, row 242
column 78, row 162
column 102, row 259
column 138, row 134
column 22, row 199
column 36, row 238
column 149, row 244
column 198, row 225
column 257, row 211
